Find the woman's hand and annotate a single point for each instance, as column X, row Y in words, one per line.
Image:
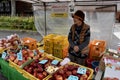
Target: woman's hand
column 76, row 48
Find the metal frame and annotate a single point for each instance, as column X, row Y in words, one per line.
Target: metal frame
column 85, row 4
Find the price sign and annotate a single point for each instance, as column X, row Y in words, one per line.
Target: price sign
column 81, row 70
column 118, row 63
column 42, row 51
column 72, row 77
column 43, row 61
column 35, row 53
column 4, row 54
column 19, row 55
column 55, row 62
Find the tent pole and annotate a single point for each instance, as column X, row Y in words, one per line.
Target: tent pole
column 45, row 17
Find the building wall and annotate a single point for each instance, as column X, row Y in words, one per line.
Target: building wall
column 22, row 8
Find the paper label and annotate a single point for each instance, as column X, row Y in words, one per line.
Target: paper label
column 19, row 55
column 35, row 53
column 72, row 77
column 81, row 70
column 42, row 51
column 4, row 54
column 55, row 62
column 43, row 61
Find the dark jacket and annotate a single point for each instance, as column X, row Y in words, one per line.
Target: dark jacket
column 79, row 36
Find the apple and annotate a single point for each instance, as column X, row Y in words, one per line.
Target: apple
column 29, row 70
column 34, row 65
column 68, row 73
column 84, row 77
column 37, row 60
column 58, row 77
column 12, row 57
column 16, row 61
column 25, row 55
column 40, row 76
column 36, row 57
column 61, row 72
column 26, row 67
column 35, row 70
column 74, row 72
column 24, row 51
column 31, row 54
column 40, row 69
column 35, row 74
column 20, row 63
column 44, row 73
column 88, row 72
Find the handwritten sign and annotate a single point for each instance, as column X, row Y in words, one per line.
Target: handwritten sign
column 19, row 55
column 81, row 70
column 35, row 53
column 55, row 62
column 4, row 54
column 72, row 77
column 43, row 61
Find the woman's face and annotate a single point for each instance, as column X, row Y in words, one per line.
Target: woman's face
column 78, row 22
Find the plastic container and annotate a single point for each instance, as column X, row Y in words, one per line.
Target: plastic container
column 95, row 64
column 89, row 63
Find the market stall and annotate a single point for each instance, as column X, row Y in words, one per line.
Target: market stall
column 30, row 62
column 47, row 60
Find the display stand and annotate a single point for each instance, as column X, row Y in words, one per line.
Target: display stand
column 9, row 72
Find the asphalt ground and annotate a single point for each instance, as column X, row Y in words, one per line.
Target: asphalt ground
column 21, row 33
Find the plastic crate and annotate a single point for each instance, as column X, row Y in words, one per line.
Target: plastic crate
column 29, row 76
column 30, row 42
column 48, row 40
column 89, row 78
column 48, row 50
column 17, row 67
column 91, row 70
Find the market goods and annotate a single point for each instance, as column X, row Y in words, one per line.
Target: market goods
column 70, row 70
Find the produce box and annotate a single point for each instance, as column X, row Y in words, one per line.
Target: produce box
column 60, row 49
column 30, row 43
column 97, row 47
column 37, row 70
column 72, row 71
column 112, row 69
column 17, row 67
column 48, row 50
column 48, row 43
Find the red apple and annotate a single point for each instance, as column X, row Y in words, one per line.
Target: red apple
column 40, row 69
column 74, row 72
column 24, row 51
column 61, row 72
column 59, row 77
column 16, row 61
column 84, row 77
column 44, row 73
column 12, row 57
column 35, row 74
column 20, row 63
column 88, row 72
column 29, row 71
column 31, row 54
column 40, row 76
column 68, row 73
column 26, row 67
